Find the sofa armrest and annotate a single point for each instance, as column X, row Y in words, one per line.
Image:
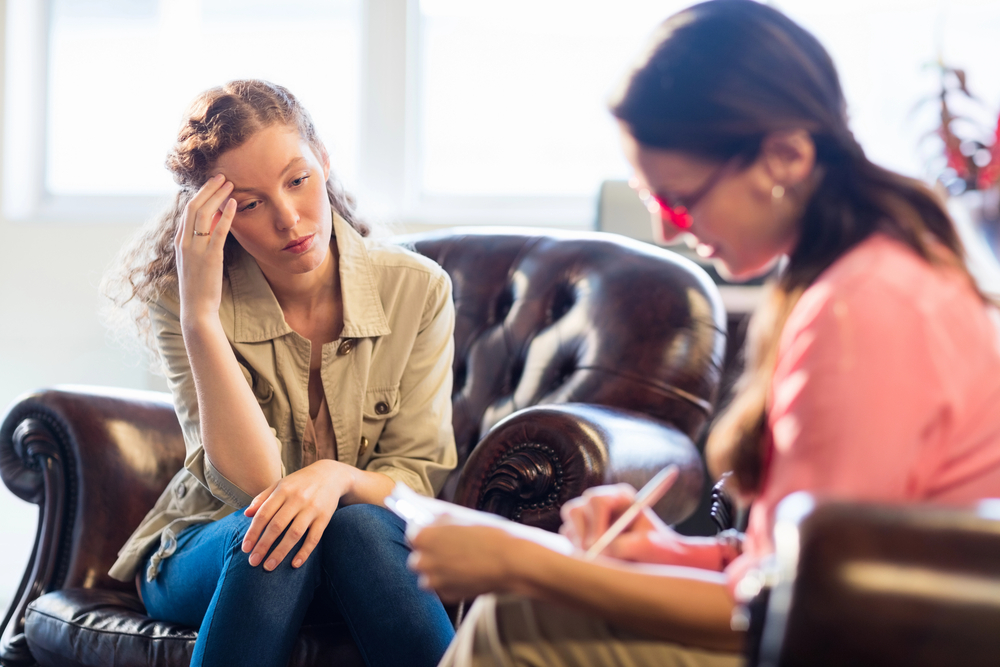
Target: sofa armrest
column 94, row 460
column 867, row 584
column 529, row 464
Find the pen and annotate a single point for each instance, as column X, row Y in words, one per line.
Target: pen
column 647, row 497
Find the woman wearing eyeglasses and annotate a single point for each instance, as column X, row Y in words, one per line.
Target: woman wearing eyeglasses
column 872, row 368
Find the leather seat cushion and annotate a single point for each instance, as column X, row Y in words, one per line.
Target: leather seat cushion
column 97, row 628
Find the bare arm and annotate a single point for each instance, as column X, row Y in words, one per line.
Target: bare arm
column 235, row 435
column 685, row 605
column 647, row 539
column 679, row 604
column 301, row 505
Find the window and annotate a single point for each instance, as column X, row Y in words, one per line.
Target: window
column 513, row 105
column 435, row 111
column 514, row 94
column 112, row 79
column 107, row 134
column 885, row 51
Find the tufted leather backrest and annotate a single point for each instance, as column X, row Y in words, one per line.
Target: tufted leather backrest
column 553, row 317
column 542, row 317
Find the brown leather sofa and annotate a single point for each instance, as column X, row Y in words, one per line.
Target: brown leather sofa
column 581, row 359
column 872, row 585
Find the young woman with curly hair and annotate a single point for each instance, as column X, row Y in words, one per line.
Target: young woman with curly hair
column 310, row 369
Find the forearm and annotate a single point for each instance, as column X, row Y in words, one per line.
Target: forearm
column 367, row 488
column 705, row 553
column 679, row 604
column 236, row 437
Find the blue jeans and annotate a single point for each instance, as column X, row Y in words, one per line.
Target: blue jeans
column 248, row 616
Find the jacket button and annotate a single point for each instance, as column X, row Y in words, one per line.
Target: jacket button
column 180, row 490
column 363, row 447
column 346, row 347
column 381, row 408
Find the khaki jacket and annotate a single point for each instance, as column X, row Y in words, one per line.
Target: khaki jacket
column 387, row 381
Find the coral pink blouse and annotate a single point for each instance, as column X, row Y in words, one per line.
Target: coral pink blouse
column 887, row 389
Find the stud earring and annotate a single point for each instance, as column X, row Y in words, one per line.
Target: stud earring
column 777, row 192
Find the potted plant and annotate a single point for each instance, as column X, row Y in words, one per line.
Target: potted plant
column 969, row 173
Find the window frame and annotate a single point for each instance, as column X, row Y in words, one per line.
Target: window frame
column 388, row 182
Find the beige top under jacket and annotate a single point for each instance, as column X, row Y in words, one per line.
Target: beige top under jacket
column 387, row 381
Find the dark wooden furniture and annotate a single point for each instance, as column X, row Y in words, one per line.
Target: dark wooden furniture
column 866, row 585
column 580, row 359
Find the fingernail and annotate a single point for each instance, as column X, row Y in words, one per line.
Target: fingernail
column 246, row 546
column 270, row 564
column 254, row 560
column 218, row 177
column 296, row 562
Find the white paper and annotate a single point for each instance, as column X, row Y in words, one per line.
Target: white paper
column 419, row 511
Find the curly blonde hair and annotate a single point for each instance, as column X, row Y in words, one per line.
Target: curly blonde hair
column 219, row 120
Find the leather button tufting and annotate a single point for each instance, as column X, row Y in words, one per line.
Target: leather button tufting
column 381, row 407
column 346, row 347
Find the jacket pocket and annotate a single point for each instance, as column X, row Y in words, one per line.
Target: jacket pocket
column 381, row 403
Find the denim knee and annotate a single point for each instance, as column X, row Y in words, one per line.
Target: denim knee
column 365, row 522
column 364, row 562
column 237, row 524
column 237, row 532
column 364, row 529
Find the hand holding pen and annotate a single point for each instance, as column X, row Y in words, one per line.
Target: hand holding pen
column 594, row 521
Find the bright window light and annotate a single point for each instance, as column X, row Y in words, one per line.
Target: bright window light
column 505, row 101
column 122, row 72
column 514, row 94
column 885, row 50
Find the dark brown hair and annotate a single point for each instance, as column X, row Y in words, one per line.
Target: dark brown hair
column 218, row 120
column 718, row 78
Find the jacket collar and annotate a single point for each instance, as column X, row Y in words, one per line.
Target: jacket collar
column 258, row 315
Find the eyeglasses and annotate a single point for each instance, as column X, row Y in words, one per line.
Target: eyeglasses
column 677, row 212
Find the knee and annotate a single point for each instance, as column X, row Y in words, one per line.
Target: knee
column 367, row 519
column 364, row 525
column 238, row 529
column 237, row 524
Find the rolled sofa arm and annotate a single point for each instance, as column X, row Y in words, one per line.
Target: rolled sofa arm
column 529, row 464
column 94, row 460
column 883, row 584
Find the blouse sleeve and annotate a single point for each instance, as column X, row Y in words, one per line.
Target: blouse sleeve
column 417, row 446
